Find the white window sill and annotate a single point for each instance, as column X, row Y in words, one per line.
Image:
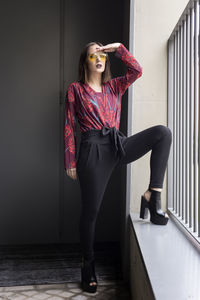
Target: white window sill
column 171, row 260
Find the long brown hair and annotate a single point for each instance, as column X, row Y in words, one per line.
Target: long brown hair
column 83, row 66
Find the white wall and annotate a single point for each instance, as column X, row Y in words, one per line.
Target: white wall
column 151, row 23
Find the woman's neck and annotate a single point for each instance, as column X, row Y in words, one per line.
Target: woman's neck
column 95, row 80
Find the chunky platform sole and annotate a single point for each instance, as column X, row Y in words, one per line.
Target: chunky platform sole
column 155, row 217
column 88, row 276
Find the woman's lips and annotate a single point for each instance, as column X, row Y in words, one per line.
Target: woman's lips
column 98, row 66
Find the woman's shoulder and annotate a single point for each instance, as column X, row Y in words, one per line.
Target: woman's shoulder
column 73, row 84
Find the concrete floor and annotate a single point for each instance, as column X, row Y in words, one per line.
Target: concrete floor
column 105, row 291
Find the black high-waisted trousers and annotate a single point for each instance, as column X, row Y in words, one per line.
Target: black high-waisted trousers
column 100, row 152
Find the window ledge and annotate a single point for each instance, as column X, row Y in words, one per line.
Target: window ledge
column 171, row 261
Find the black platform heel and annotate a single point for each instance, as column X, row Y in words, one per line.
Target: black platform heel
column 88, row 275
column 144, row 206
column 157, row 216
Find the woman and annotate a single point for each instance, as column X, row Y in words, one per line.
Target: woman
column 95, row 100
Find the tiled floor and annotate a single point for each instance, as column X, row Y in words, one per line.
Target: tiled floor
column 105, row 291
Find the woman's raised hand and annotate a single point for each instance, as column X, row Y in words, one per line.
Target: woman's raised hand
column 72, row 173
column 109, row 47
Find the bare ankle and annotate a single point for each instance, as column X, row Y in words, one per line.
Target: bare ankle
column 147, row 195
column 157, row 189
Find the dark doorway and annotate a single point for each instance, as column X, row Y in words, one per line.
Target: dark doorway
column 40, row 46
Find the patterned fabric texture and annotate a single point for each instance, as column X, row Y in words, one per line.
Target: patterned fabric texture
column 92, row 109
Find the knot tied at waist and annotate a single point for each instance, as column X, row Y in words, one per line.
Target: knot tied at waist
column 111, row 134
column 115, row 137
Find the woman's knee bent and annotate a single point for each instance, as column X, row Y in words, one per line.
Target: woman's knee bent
column 164, row 131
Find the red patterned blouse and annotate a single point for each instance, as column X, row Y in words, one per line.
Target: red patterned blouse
column 92, row 109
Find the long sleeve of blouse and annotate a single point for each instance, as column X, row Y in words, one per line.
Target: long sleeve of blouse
column 92, row 109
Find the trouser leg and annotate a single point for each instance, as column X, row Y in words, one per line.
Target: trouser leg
column 158, row 139
column 93, row 177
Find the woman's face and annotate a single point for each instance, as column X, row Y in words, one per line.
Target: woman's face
column 95, row 63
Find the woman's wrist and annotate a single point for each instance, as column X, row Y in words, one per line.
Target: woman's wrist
column 118, row 45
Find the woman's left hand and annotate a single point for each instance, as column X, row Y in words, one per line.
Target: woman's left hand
column 109, row 47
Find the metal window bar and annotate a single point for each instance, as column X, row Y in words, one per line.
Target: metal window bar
column 198, row 203
column 183, row 119
column 191, row 114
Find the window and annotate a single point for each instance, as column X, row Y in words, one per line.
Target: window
column 183, row 119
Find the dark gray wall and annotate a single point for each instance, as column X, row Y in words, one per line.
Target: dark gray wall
column 40, row 46
column 30, row 123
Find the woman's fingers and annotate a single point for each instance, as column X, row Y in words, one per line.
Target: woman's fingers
column 108, row 48
column 72, row 173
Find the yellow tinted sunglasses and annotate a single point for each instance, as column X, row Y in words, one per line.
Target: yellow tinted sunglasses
column 94, row 56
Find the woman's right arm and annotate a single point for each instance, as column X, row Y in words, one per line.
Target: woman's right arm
column 70, row 132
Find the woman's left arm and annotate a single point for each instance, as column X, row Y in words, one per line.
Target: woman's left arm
column 134, row 70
